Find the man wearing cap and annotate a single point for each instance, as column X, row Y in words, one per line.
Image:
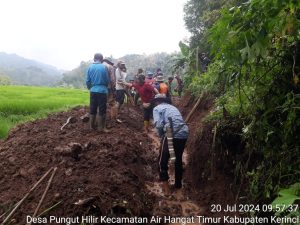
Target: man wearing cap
column 166, row 115
column 161, row 86
column 120, row 89
column 147, row 93
column 149, row 79
column 97, row 81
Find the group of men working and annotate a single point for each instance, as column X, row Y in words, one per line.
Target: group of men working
column 102, row 80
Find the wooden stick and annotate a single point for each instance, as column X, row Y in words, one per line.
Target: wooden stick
column 194, row 108
column 26, row 196
column 68, row 121
column 212, row 168
column 45, row 192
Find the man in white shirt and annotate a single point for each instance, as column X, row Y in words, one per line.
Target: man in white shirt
column 120, row 89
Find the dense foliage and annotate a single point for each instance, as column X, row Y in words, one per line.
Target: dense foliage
column 254, row 74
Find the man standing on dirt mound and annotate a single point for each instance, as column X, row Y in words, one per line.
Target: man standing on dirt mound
column 147, row 93
column 167, row 116
column 97, row 81
column 120, row 90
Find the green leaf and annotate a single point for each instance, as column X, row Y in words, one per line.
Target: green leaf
column 184, row 49
column 287, row 196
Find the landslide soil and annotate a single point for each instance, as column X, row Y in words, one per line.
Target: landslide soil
column 104, row 173
column 109, row 171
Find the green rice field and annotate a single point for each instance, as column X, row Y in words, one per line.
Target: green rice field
column 19, row 104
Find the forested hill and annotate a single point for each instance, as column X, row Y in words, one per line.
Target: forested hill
column 18, row 70
column 75, row 78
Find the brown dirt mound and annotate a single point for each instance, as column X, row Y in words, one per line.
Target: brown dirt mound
column 106, row 170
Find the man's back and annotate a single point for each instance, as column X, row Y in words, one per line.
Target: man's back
column 97, row 76
column 163, row 111
column 163, row 88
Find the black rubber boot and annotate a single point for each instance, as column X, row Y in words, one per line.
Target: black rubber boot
column 105, row 130
column 92, row 122
column 102, row 124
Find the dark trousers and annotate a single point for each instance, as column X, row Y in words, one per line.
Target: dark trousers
column 179, row 145
column 98, row 100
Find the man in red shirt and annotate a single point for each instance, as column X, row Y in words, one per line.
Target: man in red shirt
column 147, row 93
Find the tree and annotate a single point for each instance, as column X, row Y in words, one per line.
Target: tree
column 4, row 80
column 199, row 16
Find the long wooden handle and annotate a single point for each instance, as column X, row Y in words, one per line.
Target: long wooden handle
column 194, row 108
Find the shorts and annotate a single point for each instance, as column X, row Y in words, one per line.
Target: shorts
column 120, row 96
column 148, row 113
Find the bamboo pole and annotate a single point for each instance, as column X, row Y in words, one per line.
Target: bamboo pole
column 45, row 192
column 212, row 168
column 193, row 109
column 26, row 196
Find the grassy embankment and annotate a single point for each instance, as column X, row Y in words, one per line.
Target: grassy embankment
column 19, row 104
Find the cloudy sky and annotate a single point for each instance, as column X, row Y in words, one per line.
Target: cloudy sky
column 65, row 32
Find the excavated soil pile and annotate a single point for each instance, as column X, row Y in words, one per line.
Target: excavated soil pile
column 98, row 174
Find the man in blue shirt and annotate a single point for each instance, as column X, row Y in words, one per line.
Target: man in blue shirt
column 97, row 81
column 163, row 114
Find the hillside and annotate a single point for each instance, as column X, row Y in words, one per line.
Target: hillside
column 22, row 71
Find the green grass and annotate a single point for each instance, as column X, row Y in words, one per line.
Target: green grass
column 19, row 104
